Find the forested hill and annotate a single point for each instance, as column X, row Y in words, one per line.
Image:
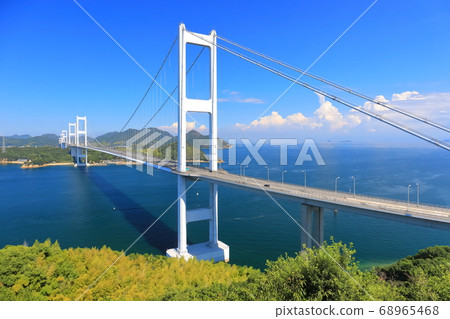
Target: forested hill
column 31, row 156
column 194, row 135
column 27, row 140
column 44, row 271
column 119, row 139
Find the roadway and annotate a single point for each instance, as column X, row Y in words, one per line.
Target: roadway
column 422, row 214
column 418, row 214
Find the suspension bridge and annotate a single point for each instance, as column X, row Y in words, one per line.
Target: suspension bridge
column 313, row 201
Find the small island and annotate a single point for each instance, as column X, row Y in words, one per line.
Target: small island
column 33, row 157
column 42, row 151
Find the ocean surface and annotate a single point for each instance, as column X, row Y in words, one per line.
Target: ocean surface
column 113, row 205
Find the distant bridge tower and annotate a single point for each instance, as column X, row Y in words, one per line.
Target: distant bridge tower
column 213, row 249
column 71, row 140
column 78, row 140
column 63, row 139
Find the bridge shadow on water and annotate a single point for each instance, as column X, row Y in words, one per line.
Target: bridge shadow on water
column 160, row 235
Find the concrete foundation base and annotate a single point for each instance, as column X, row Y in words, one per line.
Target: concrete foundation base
column 81, row 165
column 203, row 251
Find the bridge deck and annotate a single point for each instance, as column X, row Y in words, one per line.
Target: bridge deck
column 326, row 198
column 428, row 215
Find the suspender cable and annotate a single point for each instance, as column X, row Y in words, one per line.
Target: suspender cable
column 151, row 84
column 340, row 87
column 173, row 91
column 379, row 117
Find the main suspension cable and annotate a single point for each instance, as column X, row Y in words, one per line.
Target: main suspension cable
column 335, row 98
column 151, row 84
column 173, row 91
column 340, row 87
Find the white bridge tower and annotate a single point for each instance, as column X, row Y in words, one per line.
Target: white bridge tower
column 63, row 139
column 77, row 138
column 71, row 140
column 213, row 249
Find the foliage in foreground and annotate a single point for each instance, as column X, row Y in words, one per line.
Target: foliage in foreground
column 37, row 155
column 48, row 154
column 47, row 272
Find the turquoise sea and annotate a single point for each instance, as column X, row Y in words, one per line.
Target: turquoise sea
column 113, row 205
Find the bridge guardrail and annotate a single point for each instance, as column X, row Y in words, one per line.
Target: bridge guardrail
column 339, row 196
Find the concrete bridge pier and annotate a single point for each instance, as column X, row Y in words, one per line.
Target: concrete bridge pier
column 80, row 156
column 213, row 249
column 312, row 233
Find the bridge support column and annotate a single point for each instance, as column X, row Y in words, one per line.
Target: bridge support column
column 213, row 220
column 213, row 249
column 318, row 232
column 182, row 224
column 312, row 233
column 81, row 157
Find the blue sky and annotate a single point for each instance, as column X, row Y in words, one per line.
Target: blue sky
column 56, row 63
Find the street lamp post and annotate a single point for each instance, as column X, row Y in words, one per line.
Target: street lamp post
column 282, row 177
column 240, row 169
column 244, row 170
column 409, row 186
column 335, row 184
column 305, row 177
column 268, row 173
column 418, row 191
column 354, row 185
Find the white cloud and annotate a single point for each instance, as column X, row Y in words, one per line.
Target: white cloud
column 274, row 119
column 334, row 118
column 408, row 95
column 234, row 96
column 370, row 106
column 330, row 114
column 298, row 119
column 250, row 100
column 173, row 128
column 326, row 115
column 434, row 106
column 355, row 125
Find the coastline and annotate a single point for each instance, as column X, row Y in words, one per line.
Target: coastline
column 23, row 166
column 54, row 164
column 44, row 165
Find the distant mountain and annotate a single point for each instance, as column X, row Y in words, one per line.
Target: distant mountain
column 194, row 135
column 117, row 139
column 16, row 136
column 27, row 140
column 121, row 138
